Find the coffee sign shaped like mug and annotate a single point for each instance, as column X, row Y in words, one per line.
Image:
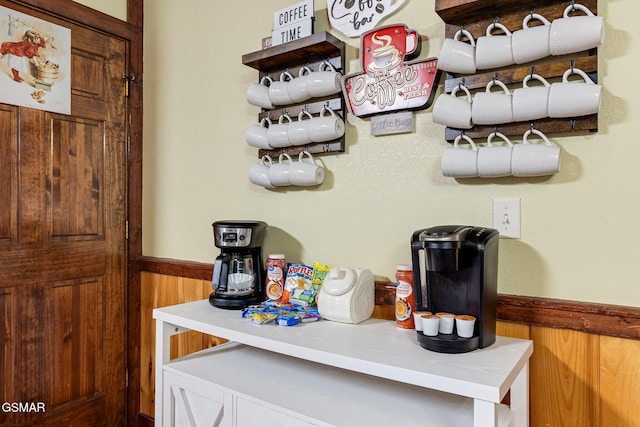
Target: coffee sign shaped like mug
column 356, row 17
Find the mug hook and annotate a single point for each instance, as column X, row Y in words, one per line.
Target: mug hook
column 533, row 71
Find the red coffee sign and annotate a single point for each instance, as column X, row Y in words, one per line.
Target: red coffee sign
column 388, row 83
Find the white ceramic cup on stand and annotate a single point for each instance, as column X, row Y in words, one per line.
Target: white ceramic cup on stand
column 326, row 127
column 494, row 51
column 259, row 172
column 453, row 111
column 495, row 160
column 492, row 108
column 306, row 173
column 299, row 129
column 529, row 159
column 278, row 133
column 298, row 86
column 458, row 162
column 279, row 172
column 531, row 43
column 256, row 134
column 571, row 34
column 572, row 98
column 457, row 56
column 324, row 82
column 258, row 93
column 531, row 102
column 279, row 90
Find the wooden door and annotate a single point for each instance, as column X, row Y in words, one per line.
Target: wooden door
column 63, row 247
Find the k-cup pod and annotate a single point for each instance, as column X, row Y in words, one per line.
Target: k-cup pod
column 447, row 320
column 298, row 86
column 531, row 102
column 459, row 162
column 529, row 159
column 299, row 129
column 417, row 319
column 465, row 325
column 256, row 134
column 495, row 160
column 259, row 172
column 327, row 127
column 491, row 108
column 324, row 82
column 258, row 93
column 429, row 324
column 279, row 172
column 494, row 51
column 278, row 133
column 453, row 111
column 279, row 90
column 457, row 56
column 306, row 173
column 531, row 43
column 574, row 98
column 571, row 34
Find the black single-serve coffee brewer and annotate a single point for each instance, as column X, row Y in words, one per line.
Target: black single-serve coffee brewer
column 238, row 276
column 455, row 270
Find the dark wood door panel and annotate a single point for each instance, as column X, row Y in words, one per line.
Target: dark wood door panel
column 8, row 152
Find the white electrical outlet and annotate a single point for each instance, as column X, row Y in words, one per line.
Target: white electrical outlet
column 506, row 217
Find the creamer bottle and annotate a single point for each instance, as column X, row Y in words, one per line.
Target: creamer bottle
column 274, row 285
column 405, row 298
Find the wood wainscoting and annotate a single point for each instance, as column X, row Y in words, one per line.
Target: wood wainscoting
column 584, row 372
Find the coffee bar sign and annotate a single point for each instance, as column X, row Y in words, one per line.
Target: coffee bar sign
column 292, row 23
column 387, row 82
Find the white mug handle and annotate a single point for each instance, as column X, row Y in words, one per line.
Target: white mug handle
column 466, row 138
column 497, row 83
column 574, row 7
column 266, row 79
column 461, row 32
column 530, row 16
column 499, row 135
column 286, row 76
column 499, row 26
column 280, row 158
column 325, row 65
column 538, row 77
column 464, row 89
column 303, row 70
column 525, row 137
column 326, row 108
column 265, row 120
column 565, row 76
column 284, row 116
column 305, row 153
column 304, row 113
column 266, row 158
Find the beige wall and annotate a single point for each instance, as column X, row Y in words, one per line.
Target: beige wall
column 115, row 8
column 579, row 228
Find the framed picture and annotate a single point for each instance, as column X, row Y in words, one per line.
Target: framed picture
column 35, row 62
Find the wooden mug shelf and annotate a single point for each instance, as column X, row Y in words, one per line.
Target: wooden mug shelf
column 475, row 16
column 313, row 52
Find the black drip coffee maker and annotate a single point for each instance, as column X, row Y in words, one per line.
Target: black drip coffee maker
column 238, row 276
column 455, row 270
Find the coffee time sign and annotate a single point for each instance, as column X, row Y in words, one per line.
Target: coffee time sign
column 292, row 23
column 387, row 83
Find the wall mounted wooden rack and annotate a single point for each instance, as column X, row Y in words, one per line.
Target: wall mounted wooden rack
column 475, row 16
column 310, row 51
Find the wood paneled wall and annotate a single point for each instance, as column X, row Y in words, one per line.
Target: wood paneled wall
column 577, row 378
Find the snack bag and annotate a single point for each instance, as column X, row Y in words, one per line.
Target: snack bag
column 298, row 277
column 319, row 273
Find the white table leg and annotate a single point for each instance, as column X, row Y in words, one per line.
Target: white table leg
column 520, row 397
column 485, row 413
column 164, row 331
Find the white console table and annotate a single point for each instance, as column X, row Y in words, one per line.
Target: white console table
column 331, row 374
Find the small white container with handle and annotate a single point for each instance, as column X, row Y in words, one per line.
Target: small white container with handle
column 347, row 295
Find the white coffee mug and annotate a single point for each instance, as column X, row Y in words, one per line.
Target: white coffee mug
column 531, row 43
column 494, row 51
column 491, row 108
column 531, row 102
column 299, row 129
column 571, row 34
column 278, row 133
column 306, row 173
column 453, row 111
column 457, row 56
column 258, row 93
column 573, row 98
column 529, row 159
column 326, row 127
column 259, row 172
column 279, row 90
column 460, row 162
column 279, row 172
column 324, row 82
column 256, row 134
column 495, row 160
column 298, row 86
